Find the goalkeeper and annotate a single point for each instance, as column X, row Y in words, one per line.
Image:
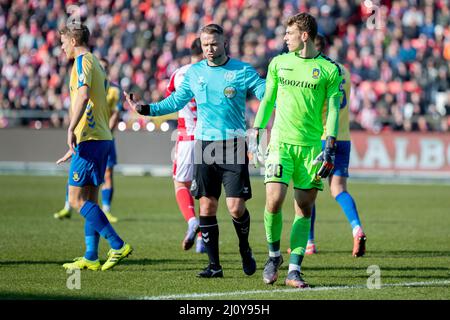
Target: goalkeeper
column 300, row 82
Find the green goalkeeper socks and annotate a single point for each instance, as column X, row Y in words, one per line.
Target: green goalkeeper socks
column 299, row 239
column 273, row 223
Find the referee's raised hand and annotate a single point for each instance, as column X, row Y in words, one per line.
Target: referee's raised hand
column 143, row 109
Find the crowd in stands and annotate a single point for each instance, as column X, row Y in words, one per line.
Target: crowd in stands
column 398, row 52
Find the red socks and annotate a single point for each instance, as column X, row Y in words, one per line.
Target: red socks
column 185, row 203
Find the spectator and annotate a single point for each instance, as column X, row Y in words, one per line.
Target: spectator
column 146, row 41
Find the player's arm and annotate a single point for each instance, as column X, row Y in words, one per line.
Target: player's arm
column 84, row 73
column 267, row 104
column 255, row 84
column 332, row 124
column 268, row 101
column 114, row 120
column 65, row 157
column 113, row 103
column 79, row 108
column 334, row 93
column 173, row 103
column 264, row 111
column 68, row 154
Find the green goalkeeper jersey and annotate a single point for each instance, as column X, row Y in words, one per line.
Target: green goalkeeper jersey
column 300, row 86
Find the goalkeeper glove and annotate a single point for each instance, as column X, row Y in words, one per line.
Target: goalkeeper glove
column 327, row 158
column 254, row 149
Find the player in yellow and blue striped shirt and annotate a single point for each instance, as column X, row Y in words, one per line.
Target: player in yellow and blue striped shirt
column 338, row 178
column 114, row 107
column 89, row 141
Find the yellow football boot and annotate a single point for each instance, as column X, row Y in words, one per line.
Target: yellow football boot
column 114, row 256
column 110, row 217
column 63, row 214
column 81, row 263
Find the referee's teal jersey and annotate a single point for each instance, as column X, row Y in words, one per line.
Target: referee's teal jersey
column 220, row 93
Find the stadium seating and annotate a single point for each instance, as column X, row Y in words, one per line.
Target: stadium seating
column 398, row 52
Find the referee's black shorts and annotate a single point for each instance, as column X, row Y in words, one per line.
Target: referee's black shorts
column 217, row 162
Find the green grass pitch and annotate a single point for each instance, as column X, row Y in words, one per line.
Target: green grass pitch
column 408, row 229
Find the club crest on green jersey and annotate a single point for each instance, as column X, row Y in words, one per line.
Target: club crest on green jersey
column 229, row 92
column 316, row 73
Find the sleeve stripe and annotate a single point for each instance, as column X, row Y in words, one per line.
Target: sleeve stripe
column 79, row 69
column 333, row 62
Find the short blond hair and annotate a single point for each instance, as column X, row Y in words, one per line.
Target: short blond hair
column 78, row 32
column 212, row 29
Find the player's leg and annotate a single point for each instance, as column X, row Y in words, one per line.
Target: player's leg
column 338, row 188
column 119, row 249
column 278, row 172
column 77, row 197
column 200, row 246
column 241, row 221
column 206, row 187
column 236, row 181
column 306, row 186
column 273, row 223
column 85, row 200
column 107, row 190
column 108, row 186
column 210, row 235
column 86, row 174
column 311, row 246
column 304, row 202
column 183, row 175
column 186, row 205
column 66, row 212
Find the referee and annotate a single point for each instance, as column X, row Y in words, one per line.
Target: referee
column 220, row 86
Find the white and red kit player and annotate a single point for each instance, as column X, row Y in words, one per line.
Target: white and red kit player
column 183, row 163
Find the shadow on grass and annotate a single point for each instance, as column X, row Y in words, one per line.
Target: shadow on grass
column 31, row 262
column 11, row 295
column 181, row 262
column 383, row 276
column 392, row 253
column 383, row 268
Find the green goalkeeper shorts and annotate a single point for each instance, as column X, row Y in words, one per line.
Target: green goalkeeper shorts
column 285, row 161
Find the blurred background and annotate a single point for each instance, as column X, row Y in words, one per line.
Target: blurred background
column 398, row 53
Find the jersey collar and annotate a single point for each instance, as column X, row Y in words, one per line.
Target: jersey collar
column 226, row 61
column 315, row 57
column 81, row 54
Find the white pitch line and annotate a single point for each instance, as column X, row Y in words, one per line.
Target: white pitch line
column 241, row 293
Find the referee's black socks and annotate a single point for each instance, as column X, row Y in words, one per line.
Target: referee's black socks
column 242, row 226
column 210, row 234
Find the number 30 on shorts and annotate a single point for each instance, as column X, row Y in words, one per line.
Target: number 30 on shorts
column 274, row 170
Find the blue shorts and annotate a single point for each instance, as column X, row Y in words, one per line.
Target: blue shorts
column 89, row 163
column 112, row 156
column 342, row 159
